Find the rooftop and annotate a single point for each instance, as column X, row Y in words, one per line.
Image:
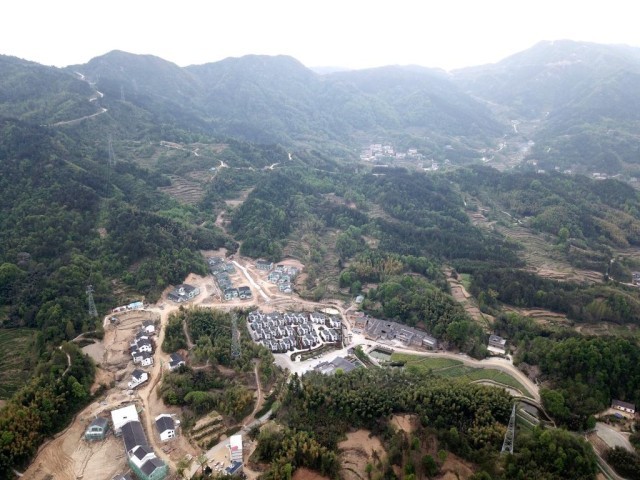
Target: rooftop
column 152, row 465
column 123, row 415
column 164, row 423
column 133, row 435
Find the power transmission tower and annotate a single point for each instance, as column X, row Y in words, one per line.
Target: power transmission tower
column 509, row 436
column 93, row 311
column 235, row 337
column 112, row 155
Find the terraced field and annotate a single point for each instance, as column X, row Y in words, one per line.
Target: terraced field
column 16, row 347
column 183, row 190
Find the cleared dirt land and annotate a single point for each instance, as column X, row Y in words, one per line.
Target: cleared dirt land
column 357, row 451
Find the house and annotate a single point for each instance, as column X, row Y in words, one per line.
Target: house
column 429, row 342
column 230, row 293
column 142, row 345
column 137, row 356
column 274, row 277
column 141, row 457
column 166, row 427
column 244, row 292
column 359, row 299
column 497, row 344
column 149, row 327
column 133, row 436
column 147, row 359
column 153, row 469
column 140, row 454
column 183, row 293
column 623, row 406
column 235, row 448
column 123, row 415
column 138, row 377
column 175, row 361
column 97, row 429
column 264, row 265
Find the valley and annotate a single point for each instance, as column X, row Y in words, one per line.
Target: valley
column 486, row 243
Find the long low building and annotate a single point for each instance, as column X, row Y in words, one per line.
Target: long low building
column 140, row 456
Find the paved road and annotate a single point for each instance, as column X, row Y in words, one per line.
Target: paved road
column 612, row 437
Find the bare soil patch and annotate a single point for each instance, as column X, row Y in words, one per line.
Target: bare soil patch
column 357, row 451
column 306, row 474
column 406, row 423
column 95, row 351
column 454, row 468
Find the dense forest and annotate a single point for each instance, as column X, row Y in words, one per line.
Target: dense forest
column 468, row 420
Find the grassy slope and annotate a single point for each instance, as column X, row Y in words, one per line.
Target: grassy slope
column 449, row 368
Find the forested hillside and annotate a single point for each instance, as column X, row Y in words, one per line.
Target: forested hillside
column 118, row 172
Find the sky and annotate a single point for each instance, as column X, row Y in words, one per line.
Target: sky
column 446, row 34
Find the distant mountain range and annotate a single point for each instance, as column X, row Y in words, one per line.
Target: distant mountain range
column 577, row 102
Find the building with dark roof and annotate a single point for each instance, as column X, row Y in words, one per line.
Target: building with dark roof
column 153, row 469
column 623, row 406
column 183, row 293
column 97, row 429
column 175, row 361
column 166, row 427
column 133, row 435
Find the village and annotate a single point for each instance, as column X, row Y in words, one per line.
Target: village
column 302, row 335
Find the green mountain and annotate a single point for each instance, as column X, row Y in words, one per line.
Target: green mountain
column 582, row 102
column 277, row 99
column 40, row 94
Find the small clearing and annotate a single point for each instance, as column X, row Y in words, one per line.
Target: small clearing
column 406, row 423
column 359, row 449
column 306, row 474
column 454, row 468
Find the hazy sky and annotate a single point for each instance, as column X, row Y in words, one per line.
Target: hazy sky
column 349, row 33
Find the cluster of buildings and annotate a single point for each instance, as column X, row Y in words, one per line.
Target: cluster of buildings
column 378, row 151
column 281, row 275
column 183, row 293
column 221, row 272
column 388, row 331
column 142, row 353
column 281, row 332
column 140, row 456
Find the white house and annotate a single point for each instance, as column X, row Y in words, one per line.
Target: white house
column 147, row 359
column 138, row 377
column 140, row 454
column 623, row 406
column 149, row 327
column 175, row 361
column 144, row 346
column 166, row 427
column 123, row 415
